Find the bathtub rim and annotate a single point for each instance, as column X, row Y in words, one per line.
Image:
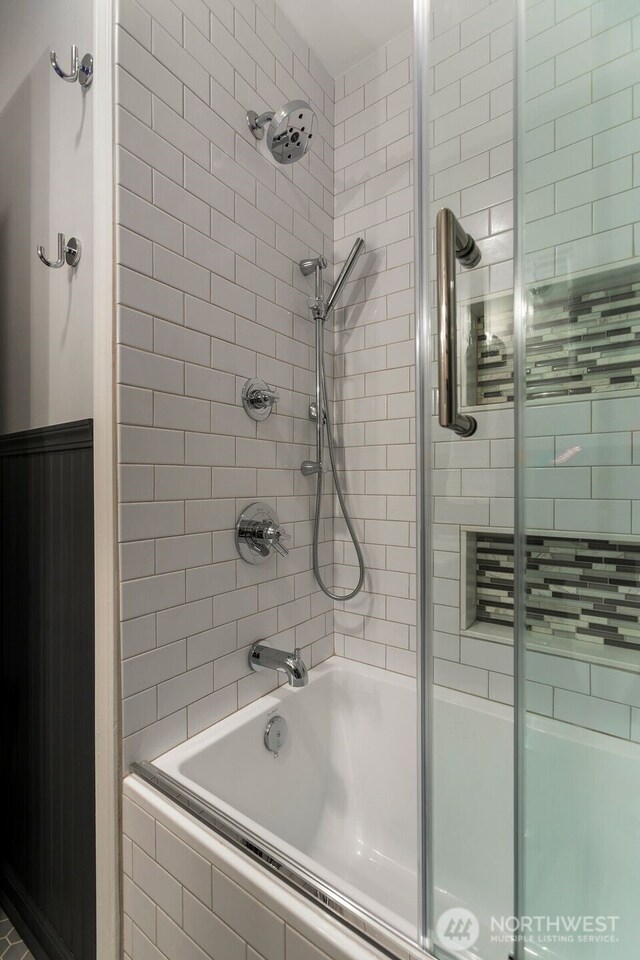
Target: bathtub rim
column 332, row 886
column 393, row 943
column 338, row 905
column 325, row 931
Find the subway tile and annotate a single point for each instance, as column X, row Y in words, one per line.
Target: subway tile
column 148, row 445
column 501, row 688
column 617, row 685
column 250, row 919
column 159, row 885
column 181, row 621
column 148, row 594
column 568, row 418
column 210, row 709
column 539, row 698
column 148, row 220
column 591, row 712
column 615, row 415
column 187, row 866
column 147, row 146
column 139, row 711
column 555, row 671
column 133, row 174
column 171, row 53
column 149, row 296
column 206, row 929
column 496, row 657
column 155, row 666
column 593, row 516
column 459, row 676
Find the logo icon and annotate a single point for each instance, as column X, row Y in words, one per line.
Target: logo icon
column 457, row 929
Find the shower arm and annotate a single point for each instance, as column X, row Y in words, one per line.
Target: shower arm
column 257, row 122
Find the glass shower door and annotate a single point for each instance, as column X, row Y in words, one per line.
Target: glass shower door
column 578, row 491
column 465, row 385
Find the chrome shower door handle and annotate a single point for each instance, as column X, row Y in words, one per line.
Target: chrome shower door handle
column 452, row 242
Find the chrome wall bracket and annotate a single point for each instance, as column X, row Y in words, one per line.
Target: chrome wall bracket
column 313, row 412
column 81, row 70
column 257, row 122
column 258, row 533
column 258, row 399
column 69, row 252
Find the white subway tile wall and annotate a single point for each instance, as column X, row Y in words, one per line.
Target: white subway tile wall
column 581, row 475
column 582, row 135
column 471, row 151
column 210, row 230
column 374, row 346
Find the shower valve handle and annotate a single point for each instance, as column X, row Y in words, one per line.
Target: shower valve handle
column 258, row 533
column 258, row 398
column 269, row 535
column 278, row 539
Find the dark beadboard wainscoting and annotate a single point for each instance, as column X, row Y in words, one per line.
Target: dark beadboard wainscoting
column 47, row 826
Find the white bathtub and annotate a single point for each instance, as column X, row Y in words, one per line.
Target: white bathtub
column 341, row 798
column 582, row 828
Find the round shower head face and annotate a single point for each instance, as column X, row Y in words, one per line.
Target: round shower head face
column 290, row 133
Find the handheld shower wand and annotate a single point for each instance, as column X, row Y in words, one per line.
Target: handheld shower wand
column 320, row 311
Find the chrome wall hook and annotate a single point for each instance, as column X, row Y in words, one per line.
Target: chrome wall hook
column 69, row 252
column 81, row 70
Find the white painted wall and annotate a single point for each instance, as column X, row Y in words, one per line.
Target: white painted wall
column 46, row 186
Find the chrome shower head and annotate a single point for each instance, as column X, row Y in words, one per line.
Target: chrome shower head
column 289, row 131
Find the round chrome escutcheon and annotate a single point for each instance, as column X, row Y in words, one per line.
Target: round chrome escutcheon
column 275, row 734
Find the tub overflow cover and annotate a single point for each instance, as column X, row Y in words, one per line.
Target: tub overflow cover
column 275, row 735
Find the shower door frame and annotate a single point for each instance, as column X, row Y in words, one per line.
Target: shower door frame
column 424, row 658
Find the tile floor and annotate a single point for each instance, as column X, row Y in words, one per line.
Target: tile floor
column 11, row 945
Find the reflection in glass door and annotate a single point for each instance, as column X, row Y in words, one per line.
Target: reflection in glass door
column 578, row 562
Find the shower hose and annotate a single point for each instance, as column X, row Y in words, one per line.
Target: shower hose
column 323, row 407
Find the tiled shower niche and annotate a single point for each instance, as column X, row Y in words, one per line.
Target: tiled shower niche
column 582, row 340
column 577, row 589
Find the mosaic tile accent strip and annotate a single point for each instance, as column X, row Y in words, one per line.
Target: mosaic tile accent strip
column 586, row 343
column 494, row 354
column 576, row 589
column 12, row 946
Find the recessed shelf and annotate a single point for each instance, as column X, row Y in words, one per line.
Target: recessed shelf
column 582, row 339
column 578, row 589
